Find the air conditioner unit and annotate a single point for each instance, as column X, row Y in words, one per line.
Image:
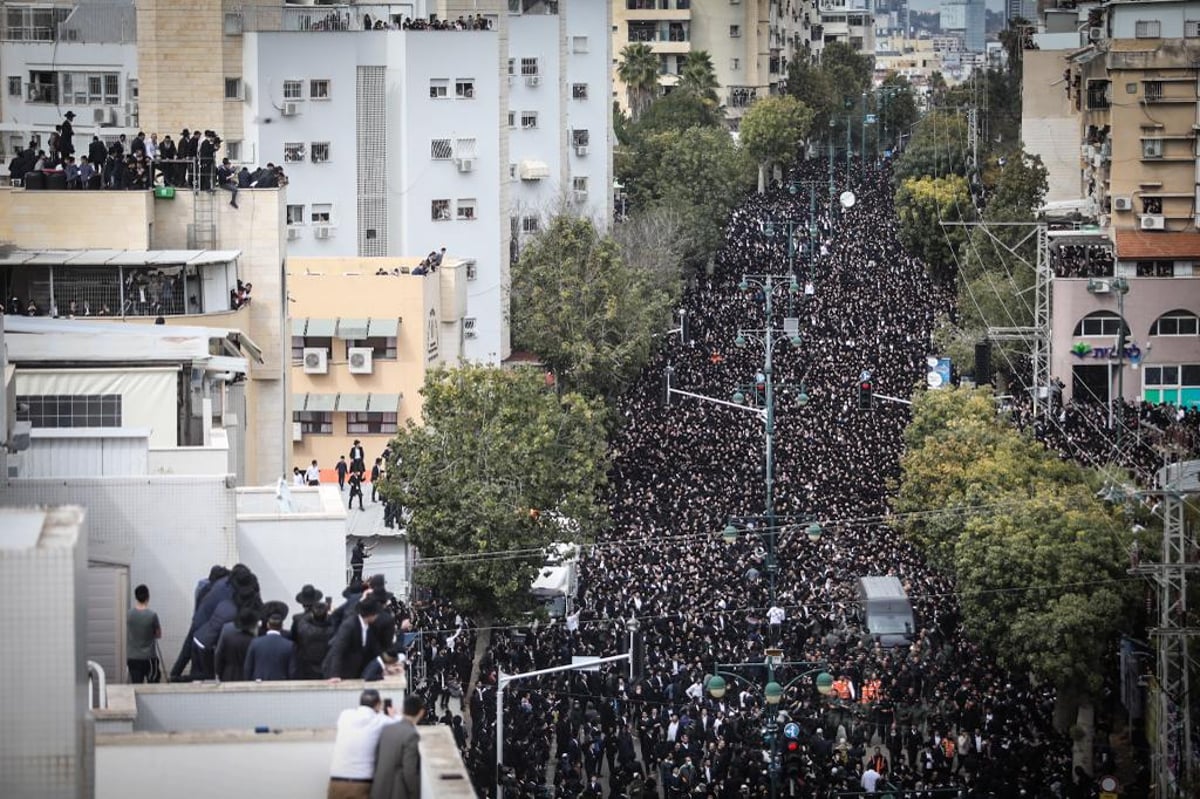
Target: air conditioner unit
column 103, row 116
column 360, row 360
column 580, row 195
column 1154, row 222
column 533, row 81
column 1122, row 204
column 581, row 150
column 316, row 361
column 1095, row 34
column 290, row 109
column 466, row 164
column 297, row 431
column 321, row 232
column 293, row 233
column 1099, row 286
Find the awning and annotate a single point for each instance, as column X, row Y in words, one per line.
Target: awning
column 320, row 328
column 534, row 170
column 384, row 403
column 352, row 403
column 298, row 401
column 352, row 328
column 323, row 403
column 298, row 325
column 383, row 328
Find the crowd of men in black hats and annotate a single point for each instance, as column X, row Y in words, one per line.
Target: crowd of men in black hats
column 935, row 715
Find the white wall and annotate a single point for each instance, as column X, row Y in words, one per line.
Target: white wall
column 287, row 552
column 1170, row 15
column 594, row 68
column 148, row 396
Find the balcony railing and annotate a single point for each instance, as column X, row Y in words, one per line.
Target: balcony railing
column 313, row 19
column 97, row 23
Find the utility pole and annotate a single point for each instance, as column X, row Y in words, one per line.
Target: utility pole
column 973, row 141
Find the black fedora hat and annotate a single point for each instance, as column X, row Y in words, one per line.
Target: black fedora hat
column 309, row 595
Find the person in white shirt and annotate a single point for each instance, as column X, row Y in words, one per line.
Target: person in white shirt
column 869, row 778
column 354, row 748
column 313, row 474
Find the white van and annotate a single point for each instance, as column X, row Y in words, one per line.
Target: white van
column 888, row 612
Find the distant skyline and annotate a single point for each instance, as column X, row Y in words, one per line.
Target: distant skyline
column 934, row 5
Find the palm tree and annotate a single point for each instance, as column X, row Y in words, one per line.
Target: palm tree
column 639, row 71
column 699, row 77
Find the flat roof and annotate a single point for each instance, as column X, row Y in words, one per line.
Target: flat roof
column 117, row 257
column 40, row 338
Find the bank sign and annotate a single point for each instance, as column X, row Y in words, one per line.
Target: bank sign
column 1083, row 350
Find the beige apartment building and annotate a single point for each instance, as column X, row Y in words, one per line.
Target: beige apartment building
column 135, row 257
column 361, row 343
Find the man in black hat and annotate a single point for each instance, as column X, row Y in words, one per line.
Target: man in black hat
column 307, row 597
column 233, row 645
column 66, row 144
column 311, row 634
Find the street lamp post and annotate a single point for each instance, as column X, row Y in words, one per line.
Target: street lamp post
column 773, row 694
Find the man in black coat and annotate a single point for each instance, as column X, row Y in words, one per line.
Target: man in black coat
column 66, row 143
column 97, row 152
column 353, row 644
column 312, row 634
column 233, row 645
column 270, row 656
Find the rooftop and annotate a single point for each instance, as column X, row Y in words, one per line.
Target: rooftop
column 1136, row 245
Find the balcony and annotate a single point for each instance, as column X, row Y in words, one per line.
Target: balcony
column 323, row 18
column 96, row 23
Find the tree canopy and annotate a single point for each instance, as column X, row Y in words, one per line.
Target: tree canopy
column 1039, row 560
column 639, row 72
column 698, row 77
column 494, row 445
column 584, row 311
column 773, row 128
column 923, row 206
column 937, row 148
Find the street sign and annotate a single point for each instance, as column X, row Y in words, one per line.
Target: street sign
column 791, row 730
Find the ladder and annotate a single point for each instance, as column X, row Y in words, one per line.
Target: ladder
column 204, row 215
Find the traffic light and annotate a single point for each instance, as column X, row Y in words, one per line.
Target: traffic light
column 793, row 767
column 866, row 395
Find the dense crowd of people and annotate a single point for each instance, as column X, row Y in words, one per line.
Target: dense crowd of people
column 933, row 715
column 1082, row 260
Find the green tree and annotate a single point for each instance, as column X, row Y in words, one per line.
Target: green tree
column 938, row 147
column 698, row 77
column 771, row 131
column 655, row 242
column 677, row 112
column 923, row 206
column 898, row 107
column 494, row 445
column 586, row 313
column 638, row 70
column 809, row 84
column 848, row 70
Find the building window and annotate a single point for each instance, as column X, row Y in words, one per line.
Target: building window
column 512, row 119
column 14, row 85
column 469, row 325
column 440, row 210
column 70, row 410
column 472, row 268
column 293, row 152
column 1173, row 385
column 319, row 153
column 318, row 89
column 440, row 149
column 579, row 187
column 1191, row 29
column 322, row 213
column 233, row 150
column 1101, row 323
column 361, row 423
column 233, row 88
column 512, row 171
column 465, row 148
column 1147, row 29
column 319, row 423
column 735, row 63
column 438, row 88
column 465, row 210
column 580, row 138
column 381, row 348
column 579, row 91
column 1098, row 94
column 90, row 88
column 530, row 224
column 1176, row 323
column 735, row 31
column 43, row 87
column 528, row 120
column 1152, row 148
column 464, row 88
column 293, row 90
column 295, row 214
column 579, row 44
column 1152, row 90
column 512, row 66
column 529, row 66
column 1155, row 268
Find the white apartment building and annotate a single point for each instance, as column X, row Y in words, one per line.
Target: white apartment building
column 396, row 142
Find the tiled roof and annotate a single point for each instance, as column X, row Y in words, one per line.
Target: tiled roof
column 1137, row 245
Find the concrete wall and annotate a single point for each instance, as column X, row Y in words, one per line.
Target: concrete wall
column 169, row 530
column 43, row 702
column 1050, row 125
column 46, row 220
column 293, row 764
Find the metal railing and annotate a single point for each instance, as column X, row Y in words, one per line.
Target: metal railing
column 97, row 686
column 319, row 18
column 114, row 23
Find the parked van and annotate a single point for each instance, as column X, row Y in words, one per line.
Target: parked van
column 556, row 582
column 888, row 612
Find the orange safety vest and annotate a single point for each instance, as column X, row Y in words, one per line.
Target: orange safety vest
column 841, row 688
column 948, row 747
column 870, row 691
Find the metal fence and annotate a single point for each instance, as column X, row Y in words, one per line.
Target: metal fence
column 93, row 23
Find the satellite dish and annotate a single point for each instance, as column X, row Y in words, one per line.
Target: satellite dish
column 847, row 199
